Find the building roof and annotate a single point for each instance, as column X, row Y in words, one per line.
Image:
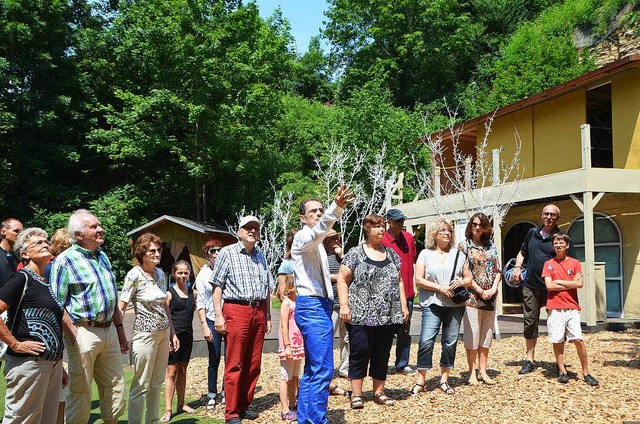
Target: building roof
column 199, row 226
column 468, row 129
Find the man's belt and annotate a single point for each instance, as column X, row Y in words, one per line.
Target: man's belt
column 96, row 324
column 252, row 303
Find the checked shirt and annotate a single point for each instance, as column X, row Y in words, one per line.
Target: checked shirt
column 242, row 275
column 84, row 284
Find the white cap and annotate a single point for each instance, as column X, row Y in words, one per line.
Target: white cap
column 247, row 219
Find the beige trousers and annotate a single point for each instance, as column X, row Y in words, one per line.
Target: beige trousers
column 33, row 387
column 150, row 355
column 94, row 355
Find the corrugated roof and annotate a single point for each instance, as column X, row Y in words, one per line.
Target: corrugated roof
column 200, row 226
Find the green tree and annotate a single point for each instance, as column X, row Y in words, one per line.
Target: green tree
column 419, row 48
column 196, row 88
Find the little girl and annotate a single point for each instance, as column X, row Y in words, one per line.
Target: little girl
column 181, row 300
column 290, row 351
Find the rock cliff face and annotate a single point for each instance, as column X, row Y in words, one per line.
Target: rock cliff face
column 621, row 43
column 622, row 37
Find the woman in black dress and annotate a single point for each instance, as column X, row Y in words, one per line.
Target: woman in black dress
column 182, row 304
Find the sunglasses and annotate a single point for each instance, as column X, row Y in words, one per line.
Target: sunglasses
column 213, row 250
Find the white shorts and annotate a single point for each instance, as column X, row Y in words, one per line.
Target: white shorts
column 564, row 325
column 289, row 368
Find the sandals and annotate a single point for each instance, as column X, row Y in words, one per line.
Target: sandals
column 382, row 399
column 166, row 417
column 356, row 401
column 186, row 409
column 335, row 390
column 417, row 388
column 444, row 386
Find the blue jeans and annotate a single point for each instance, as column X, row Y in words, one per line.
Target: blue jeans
column 403, row 344
column 313, row 317
column 432, row 317
column 215, row 353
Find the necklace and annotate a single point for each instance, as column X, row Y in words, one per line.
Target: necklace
column 35, row 275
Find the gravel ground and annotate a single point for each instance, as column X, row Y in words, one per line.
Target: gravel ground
column 533, row 398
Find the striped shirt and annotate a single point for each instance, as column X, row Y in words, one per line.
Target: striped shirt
column 242, row 275
column 83, row 283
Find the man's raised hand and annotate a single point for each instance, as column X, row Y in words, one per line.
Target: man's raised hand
column 344, row 197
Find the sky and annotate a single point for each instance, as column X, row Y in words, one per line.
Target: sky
column 304, row 16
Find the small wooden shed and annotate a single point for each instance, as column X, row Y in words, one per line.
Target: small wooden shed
column 183, row 239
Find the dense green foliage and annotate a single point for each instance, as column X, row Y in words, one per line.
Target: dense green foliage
column 199, row 108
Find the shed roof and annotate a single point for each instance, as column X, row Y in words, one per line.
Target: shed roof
column 199, row 226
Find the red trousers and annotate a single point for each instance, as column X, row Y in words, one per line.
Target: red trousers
column 246, row 327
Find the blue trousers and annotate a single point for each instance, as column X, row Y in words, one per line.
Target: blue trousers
column 403, row 344
column 313, row 317
column 434, row 316
column 215, row 354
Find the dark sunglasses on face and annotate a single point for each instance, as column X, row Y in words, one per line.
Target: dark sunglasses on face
column 213, row 250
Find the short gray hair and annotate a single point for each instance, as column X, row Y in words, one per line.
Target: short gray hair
column 75, row 224
column 23, row 239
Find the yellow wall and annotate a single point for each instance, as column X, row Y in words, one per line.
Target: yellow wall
column 502, row 135
column 624, row 209
column 556, row 133
column 550, row 134
column 625, row 105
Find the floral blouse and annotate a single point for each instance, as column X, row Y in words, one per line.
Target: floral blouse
column 148, row 297
column 484, row 265
column 374, row 292
column 295, row 336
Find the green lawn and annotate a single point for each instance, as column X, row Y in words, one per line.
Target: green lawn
column 128, row 373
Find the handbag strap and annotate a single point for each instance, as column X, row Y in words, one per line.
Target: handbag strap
column 24, row 290
column 455, row 264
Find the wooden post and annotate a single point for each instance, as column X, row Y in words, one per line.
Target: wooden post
column 589, row 258
column 585, row 140
column 467, row 173
column 496, row 166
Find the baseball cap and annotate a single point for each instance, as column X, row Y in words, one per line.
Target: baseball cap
column 395, row 215
column 247, row 219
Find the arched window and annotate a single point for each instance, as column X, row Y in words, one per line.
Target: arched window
column 608, row 249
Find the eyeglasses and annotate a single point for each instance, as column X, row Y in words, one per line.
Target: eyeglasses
column 154, row 251
column 213, row 250
column 444, row 231
column 39, row 243
column 314, row 211
column 550, row 214
column 477, row 224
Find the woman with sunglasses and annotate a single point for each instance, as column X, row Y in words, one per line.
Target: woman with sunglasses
column 153, row 332
column 33, row 370
column 478, row 321
column 207, row 316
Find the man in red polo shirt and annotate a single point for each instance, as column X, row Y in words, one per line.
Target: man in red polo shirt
column 404, row 245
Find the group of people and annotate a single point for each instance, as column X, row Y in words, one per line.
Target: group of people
column 72, row 303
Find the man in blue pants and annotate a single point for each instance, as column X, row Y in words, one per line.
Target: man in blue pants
column 314, row 304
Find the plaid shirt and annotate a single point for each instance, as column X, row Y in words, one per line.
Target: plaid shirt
column 84, row 284
column 242, row 275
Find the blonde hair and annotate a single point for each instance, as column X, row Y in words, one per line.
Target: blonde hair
column 432, row 230
column 60, row 241
column 288, row 286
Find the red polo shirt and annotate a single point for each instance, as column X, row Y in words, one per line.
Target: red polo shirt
column 405, row 247
column 565, row 270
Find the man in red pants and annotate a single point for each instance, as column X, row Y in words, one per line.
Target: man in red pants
column 242, row 278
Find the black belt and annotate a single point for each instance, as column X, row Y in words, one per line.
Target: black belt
column 106, row 324
column 252, row 303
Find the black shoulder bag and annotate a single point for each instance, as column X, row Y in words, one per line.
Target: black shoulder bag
column 461, row 294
